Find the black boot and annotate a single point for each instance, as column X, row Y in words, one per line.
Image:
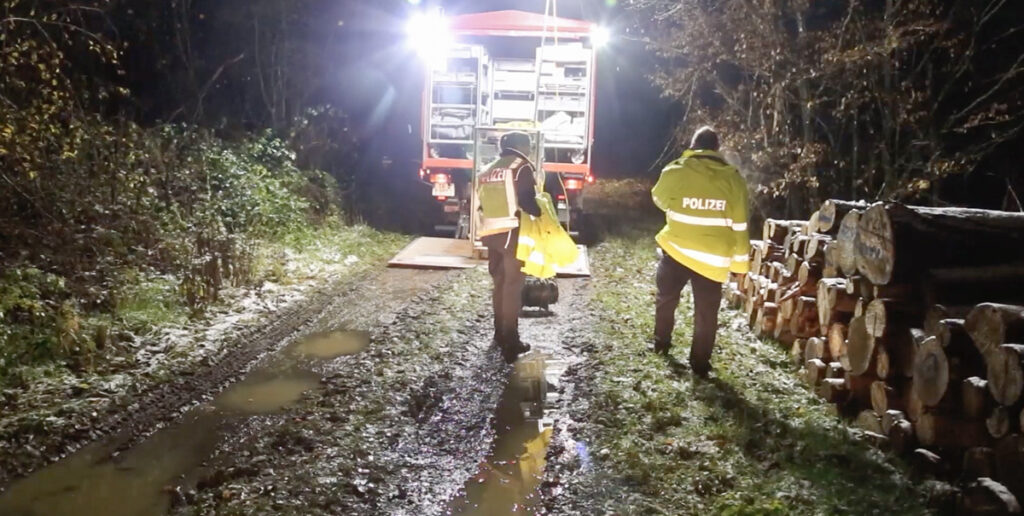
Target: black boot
column 510, row 352
column 659, row 347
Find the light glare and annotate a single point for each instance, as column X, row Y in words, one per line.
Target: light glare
column 600, row 36
column 428, row 36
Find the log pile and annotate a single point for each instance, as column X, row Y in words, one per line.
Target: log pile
column 911, row 319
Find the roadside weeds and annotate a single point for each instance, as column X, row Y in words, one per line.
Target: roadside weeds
column 60, row 411
column 652, row 438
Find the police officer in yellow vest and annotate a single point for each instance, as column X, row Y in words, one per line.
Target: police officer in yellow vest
column 503, row 188
column 704, row 239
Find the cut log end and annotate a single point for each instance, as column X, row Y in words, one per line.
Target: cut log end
column 931, row 372
column 859, row 346
column 1006, row 373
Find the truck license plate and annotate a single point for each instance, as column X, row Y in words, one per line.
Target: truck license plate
column 444, row 190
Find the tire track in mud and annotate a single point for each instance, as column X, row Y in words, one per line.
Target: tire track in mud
column 357, row 442
column 122, row 426
column 397, row 429
column 548, row 336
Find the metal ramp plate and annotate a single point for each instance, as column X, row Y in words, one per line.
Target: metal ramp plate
column 436, row 253
column 451, row 253
column 578, row 269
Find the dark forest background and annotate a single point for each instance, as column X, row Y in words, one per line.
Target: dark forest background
column 912, row 100
column 143, row 138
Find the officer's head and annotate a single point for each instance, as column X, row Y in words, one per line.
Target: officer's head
column 515, row 140
column 704, row 139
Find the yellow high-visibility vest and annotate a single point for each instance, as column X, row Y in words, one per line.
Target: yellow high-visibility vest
column 705, row 204
column 496, row 191
column 543, row 243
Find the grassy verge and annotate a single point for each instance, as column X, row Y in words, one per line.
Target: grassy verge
column 156, row 337
column 148, row 306
column 752, row 440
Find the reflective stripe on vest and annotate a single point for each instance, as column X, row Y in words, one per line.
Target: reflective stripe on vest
column 496, row 189
column 713, row 260
column 706, row 221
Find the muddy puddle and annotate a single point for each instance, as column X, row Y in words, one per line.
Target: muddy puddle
column 332, row 344
column 266, row 393
column 508, row 480
column 96, row 481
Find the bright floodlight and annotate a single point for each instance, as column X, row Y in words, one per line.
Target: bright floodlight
column 428, row 35
column 600, row 36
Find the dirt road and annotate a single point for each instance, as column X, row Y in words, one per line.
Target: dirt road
column 382, row 399
column 384, row 396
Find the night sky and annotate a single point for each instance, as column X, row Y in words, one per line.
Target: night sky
column 380, row 83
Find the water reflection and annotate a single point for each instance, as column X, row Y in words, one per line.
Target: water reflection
column 93, row 482
column 507, row 481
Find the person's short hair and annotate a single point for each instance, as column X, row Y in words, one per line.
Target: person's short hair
column 704, row 138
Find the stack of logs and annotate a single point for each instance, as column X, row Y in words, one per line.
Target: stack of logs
column 909, row 320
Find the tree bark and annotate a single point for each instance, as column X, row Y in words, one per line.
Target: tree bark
column 1010, row 462
column 963, row 286
column 860, row 388
column 937, row 430
column 832, row 212
column 938, row 312
column 976, row 401
column 896, row 241
column 979, row 461
column 886, row 316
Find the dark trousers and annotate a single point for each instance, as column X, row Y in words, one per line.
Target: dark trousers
column 707, row 295
column 507, row 273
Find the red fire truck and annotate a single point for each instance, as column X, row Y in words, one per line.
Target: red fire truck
column 506, row 69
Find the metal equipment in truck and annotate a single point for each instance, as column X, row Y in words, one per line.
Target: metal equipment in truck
column 492, row 72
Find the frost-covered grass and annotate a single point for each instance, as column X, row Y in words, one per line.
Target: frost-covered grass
column 386, row 431
column 153, row 336
column 751, row 440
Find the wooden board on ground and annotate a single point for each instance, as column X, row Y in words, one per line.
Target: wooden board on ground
column 436, row 253
column 452, row 253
